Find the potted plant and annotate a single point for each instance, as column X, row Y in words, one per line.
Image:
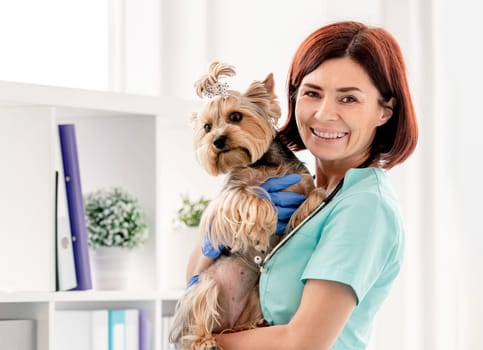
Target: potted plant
column 189, row 214
column 115, row 226
column 183, row 237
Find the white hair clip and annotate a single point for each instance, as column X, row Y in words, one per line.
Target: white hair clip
column 216, row 89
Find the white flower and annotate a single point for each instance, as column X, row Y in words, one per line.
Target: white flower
column 114, row 218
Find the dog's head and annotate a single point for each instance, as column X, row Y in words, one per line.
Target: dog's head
column 233, row 129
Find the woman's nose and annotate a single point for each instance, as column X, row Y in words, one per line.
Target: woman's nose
column 326, row 110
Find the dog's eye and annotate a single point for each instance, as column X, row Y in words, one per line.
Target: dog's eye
column 207, row 127
column 235, row 117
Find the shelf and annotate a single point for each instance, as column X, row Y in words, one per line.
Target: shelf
column 72, row 102
column 89, row 295
column 20, row 297
column 71, row 98
column 125, row 140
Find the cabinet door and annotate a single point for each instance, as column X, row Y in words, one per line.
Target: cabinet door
column 27, row 179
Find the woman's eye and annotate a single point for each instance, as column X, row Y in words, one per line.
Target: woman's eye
column 235, row 117
column 207, row 127
column 348, row 99
column 311, row 94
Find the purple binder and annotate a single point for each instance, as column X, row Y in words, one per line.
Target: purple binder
column 144, row 330
column 75, row 204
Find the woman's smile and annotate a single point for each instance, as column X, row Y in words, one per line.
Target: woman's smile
column 327, row 135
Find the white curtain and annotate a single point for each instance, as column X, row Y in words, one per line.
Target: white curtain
column 457, row 123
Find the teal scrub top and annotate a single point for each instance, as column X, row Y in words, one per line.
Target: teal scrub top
column 357, row 239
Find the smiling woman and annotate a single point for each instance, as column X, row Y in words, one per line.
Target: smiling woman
column 350, row 106
column 338, row 110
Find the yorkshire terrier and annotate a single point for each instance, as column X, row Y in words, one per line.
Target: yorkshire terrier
column 236, row 135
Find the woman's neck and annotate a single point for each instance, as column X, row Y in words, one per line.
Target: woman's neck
column 328, row 180
column 329, row 174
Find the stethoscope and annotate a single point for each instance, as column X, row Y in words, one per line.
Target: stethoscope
column 261, row 264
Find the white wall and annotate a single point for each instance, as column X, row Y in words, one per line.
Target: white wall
column 55, row 42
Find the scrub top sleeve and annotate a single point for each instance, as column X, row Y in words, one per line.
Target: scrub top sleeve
column 356, row 243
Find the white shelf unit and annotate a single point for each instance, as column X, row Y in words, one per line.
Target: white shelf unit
column 142, row 143
column 42, row 306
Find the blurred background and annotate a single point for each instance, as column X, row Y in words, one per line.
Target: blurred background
column 160, row 47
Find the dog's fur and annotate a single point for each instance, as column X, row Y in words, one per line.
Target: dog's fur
column 235, row 134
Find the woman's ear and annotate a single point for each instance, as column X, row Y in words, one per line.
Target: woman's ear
column 388, row 108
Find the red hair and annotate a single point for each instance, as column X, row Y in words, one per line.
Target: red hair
column 379, row 54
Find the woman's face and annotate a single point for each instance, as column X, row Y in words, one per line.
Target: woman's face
column 337, row 112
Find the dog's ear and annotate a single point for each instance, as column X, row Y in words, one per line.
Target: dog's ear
column 269, row 83
column 262, row 93
column 275, row 111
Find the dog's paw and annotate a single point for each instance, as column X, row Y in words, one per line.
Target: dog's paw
column 207, row 344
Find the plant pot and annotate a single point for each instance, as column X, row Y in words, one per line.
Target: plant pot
column 111, row 267
column 181, row 242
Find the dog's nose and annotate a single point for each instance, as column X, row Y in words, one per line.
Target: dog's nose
column 220, row 141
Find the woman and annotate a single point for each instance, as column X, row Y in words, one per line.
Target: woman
column 350, row 106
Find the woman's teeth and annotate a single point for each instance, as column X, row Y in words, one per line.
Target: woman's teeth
column 329, row 135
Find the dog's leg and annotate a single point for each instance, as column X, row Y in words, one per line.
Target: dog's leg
column 313, row 201
column 225, row 297
column 252, row 316
column 197, row 314
column 243, row 219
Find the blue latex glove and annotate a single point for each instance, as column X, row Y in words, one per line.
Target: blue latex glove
column 207, row 248
column 193, row 280
column 285, row 202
